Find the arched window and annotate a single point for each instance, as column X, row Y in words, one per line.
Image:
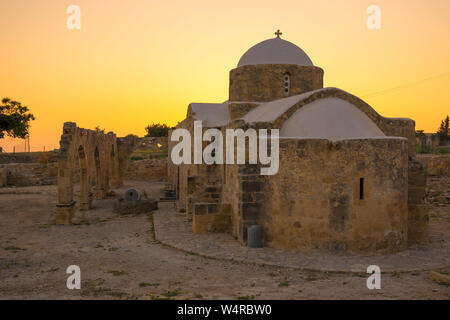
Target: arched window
column 287, row 84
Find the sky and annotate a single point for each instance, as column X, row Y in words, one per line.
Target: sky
column 137, row 62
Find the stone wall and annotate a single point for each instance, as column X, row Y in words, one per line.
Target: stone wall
column 418, row 220
column 148, row 170
column 265, row 82
column 27, row 157
column 438, row 165
column 318, row 200
column 3, row 177
column 30, row 174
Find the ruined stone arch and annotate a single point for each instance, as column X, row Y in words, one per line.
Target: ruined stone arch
column 85, row 190
column 96, row 153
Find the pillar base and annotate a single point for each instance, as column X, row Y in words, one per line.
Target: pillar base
column 64, row 213
column 86, row 202
column 99, row 193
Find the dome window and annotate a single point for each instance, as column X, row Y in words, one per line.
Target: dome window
column 287, row 84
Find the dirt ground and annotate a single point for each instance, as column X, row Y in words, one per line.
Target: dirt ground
column 120, row 260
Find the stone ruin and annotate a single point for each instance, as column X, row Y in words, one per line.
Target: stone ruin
column 101, row 159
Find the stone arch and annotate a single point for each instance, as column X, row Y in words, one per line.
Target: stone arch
column 113, row 168
column 85, row 194
column 99, row 188
column 95, row 152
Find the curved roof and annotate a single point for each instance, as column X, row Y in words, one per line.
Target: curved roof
column 270, row 111
column 330, row 118
column 275, row 51
column 212, row 114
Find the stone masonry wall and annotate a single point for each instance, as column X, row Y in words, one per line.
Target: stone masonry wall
column 438, row 165
column 418, row 219
column 265, row 82
column 314, row 202
column 148, row 170
column 29, row 174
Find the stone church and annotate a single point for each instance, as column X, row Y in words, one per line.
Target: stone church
column 348, row 180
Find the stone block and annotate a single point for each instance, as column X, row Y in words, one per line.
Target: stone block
column 216, row 222
column 64, row 213
column 200, row 208
column 250, row 211
column 418, row 224
column 252, row 186
column 3, row 177
column 416, row 195
column 135, row 207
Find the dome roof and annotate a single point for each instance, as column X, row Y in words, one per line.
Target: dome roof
column 275, row 51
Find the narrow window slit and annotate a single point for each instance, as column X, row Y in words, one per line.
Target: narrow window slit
column 361, row 188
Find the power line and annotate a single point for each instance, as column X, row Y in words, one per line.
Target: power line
column 378, row 93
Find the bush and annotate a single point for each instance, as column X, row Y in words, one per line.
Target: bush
column 157, row 130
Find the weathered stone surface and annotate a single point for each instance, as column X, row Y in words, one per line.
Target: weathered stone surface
column 418, row 224
column 96, row 154
column 135, row 207
column 310, row 204
column 438, row 165
column 148, row 169
column 3, row 177
column 418, row 220
column 30, row 174
column 65, row 213
column 264, row 82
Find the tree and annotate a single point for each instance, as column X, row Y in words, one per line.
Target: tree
column 157, row 130
column 444, row 132
column 14, row 119
column 419, row 133
column 98, row 129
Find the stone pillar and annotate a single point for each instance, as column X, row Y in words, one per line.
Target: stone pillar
column 85, row 201
column 418, row 220
column 99, row 193
column 250, row 198
column 66, row 205
column 65, row 212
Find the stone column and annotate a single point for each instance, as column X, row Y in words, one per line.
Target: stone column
column 250, row 198
column 66, row 205
column 418, row 220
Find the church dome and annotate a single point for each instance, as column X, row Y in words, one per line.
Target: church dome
column 275, row 51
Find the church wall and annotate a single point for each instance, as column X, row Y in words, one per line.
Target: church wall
column 262, row 83
column 314, row 200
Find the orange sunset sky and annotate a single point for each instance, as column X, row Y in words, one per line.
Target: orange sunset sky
column 137, row 62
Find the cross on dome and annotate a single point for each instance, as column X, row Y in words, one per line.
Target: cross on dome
column 278, row 33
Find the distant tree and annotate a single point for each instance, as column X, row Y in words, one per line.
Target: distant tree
column 419, row 133
column 98, row 129
column 157, row 130
column 14, row 119
column 444, row 130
